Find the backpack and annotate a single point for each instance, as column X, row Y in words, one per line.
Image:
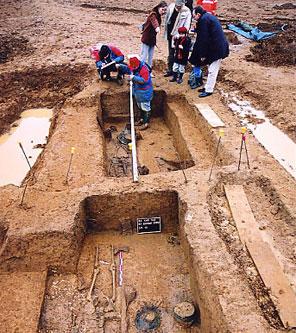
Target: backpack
column 195, row 78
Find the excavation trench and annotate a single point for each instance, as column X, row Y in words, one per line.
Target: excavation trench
column 155, row 267
column 176, row 139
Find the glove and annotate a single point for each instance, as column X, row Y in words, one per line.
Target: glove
column 181, row 47
column 99, row 64
column 157, row 30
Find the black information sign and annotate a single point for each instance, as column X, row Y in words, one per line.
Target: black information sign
column 148, row 225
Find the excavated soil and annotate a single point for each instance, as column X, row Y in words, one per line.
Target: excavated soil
column 73, row 202
column 277, row 51
column 11, row 46
column 33, row 88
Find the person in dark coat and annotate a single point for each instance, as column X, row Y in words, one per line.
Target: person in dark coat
column 150, row 29
column 182, row 45
column 210, row 47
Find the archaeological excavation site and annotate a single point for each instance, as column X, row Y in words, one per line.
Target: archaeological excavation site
column 187, row 226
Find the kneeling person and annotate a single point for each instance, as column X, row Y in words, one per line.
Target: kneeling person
column 109, row 54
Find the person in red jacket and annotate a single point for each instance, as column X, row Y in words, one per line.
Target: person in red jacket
column 209, row 6
column 104, row 55
column 182, row 45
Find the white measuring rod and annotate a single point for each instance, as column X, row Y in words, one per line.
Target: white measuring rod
column 134, row 147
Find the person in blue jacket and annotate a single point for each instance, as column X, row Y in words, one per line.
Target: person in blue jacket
column 140, row 75
column 210, row 47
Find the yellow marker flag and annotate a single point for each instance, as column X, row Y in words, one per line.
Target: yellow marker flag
column 221, row 132
column 244, row 130
column 72, row 150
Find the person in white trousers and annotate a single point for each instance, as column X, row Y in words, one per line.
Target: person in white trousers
column 210, row 47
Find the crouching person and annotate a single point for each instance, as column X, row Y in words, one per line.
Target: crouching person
column 107, row 57
column 140, row 75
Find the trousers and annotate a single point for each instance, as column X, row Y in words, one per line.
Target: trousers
column 213, row 71
column 147, row 54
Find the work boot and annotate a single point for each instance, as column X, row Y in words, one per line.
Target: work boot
column 139, row 122
column 180, row 78
column 106, row 77
column 174, row 78
column 205, row 94
column 144, row 127
column 119, row 79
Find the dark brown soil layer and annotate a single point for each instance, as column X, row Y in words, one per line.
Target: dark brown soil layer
column 13, row 45
column 37, row 88
column 277, row 51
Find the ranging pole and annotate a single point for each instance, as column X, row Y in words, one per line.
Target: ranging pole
column 134, row 148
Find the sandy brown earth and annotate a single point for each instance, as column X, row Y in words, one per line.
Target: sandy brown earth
column 45, row 62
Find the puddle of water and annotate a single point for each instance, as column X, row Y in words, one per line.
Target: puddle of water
column 277, row 143
column 31, row 129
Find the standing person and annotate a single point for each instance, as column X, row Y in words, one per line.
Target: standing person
column 150, row 29
column 209, row 6
column 178, row 15
column 210, row 47
column 182, row 45
column 140, row 75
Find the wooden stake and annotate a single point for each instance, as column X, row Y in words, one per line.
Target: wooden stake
column 22, row 148
column 221, row 134
column 243, row 144
column 70, row 163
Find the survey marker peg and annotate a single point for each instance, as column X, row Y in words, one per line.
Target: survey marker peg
column 70, row 163
column 22, row 148
column 221, row 135
column 243, row 144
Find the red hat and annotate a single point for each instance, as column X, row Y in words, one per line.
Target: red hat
column 134, row 62
column 182, row 30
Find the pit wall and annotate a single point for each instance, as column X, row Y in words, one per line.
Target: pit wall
column 179, row 141
column 125, row 207
column 115, row 105
column 57, row 250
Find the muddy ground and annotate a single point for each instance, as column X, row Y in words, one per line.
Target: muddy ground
column 51, row 238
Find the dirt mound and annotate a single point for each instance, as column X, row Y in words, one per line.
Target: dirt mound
column 277, row 51
column 287, row 5
column 11, row 46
